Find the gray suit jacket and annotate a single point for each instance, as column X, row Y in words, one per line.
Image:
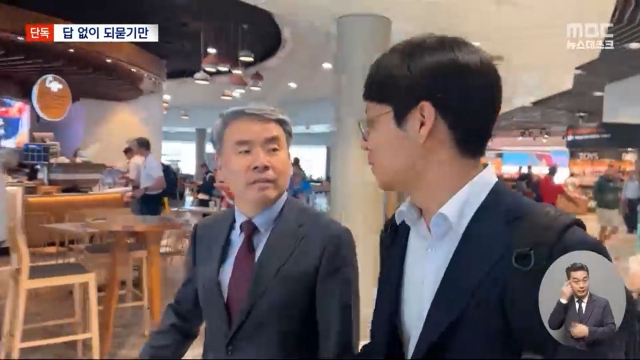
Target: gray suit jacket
column 303, row 301
column 598, row 317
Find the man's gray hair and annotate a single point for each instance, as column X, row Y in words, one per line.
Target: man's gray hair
column 257, row 112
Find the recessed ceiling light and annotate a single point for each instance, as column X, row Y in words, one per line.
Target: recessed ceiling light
column 293, row 85
column 109, row 60
column 134, row 70
column 327, row 66
column 598, row 93
column 211, row 50
column 21, row 38
column 476, row 43
column 71, row 50
column 633, row 46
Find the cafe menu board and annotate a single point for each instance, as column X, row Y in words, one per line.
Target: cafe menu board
column 51, row 98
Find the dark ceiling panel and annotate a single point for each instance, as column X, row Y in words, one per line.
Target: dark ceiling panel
column 181, row 23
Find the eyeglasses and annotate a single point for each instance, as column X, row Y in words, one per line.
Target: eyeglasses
column 367, row 123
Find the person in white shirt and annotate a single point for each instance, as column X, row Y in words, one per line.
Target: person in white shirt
column 152, row 180
column 630, row 197
column 134, row 169
column 448, row 260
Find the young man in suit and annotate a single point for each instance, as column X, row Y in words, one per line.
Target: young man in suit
column 444, row 284
column 587, row 318
column 271, row 277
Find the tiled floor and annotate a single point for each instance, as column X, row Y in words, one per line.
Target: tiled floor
column 128, row 335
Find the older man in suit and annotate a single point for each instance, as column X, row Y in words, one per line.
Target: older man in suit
column 587, row 318
column 270, row 277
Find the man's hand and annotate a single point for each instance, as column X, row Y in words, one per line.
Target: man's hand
column 565, row 292
column 137, row 193
column 579, row 331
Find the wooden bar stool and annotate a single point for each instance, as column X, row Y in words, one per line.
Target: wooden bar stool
column 24, row 277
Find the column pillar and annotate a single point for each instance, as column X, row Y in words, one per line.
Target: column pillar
column 356, row 200
column 105, row 127
column 201, row 141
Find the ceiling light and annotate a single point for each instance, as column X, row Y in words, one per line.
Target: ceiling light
column 544, row 140
column 21, row 38
column 327, row 66
column 184, row 116
column 210, row 68
column 227, row 95
column 223, row 67
column 237, row 71
column 236, row 94
column 476, row 43
column 211, row 50
column 109, row 60
column 633, row 46
column 201, row 77
column 255, row 87
column 166, row 97
column 293, row 85
column 598, row 93
column 245, row 56
column 240, row 91
column 71, row 50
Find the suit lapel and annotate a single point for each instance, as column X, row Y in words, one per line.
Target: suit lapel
column 218, row 236
column 589, row 306
column 483, row 242
column 283, row 239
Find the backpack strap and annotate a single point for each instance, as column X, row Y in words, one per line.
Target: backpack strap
column 534, row 236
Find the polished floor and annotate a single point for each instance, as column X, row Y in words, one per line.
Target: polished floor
column 128, row 335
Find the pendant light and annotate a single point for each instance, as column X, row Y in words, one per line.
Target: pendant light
column 244, row 55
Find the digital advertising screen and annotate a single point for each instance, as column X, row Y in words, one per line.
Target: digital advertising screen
column 15, row 121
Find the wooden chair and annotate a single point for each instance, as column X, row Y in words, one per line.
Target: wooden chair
column 97, row 256
column 24, row 277
column 44, row 246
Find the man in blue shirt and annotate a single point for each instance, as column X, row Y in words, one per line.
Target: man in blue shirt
column 271, row 277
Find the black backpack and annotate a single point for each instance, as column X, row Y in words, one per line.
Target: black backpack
column 171, row 180
column 534, row 237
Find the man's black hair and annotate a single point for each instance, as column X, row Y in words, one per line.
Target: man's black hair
column 576, row 267
column 143, row 143
column 553, row 170
column 127, row 150
column 457, row 78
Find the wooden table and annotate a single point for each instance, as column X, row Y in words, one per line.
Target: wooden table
column 148, row 229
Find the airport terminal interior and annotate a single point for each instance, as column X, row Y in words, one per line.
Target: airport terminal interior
column 68, row 109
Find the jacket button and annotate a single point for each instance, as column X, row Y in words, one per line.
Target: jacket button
column 229, row 350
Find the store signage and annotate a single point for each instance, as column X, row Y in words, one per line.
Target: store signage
column 603, row 136
column 588, row 156
column 51, row 97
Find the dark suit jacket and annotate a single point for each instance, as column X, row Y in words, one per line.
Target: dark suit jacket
column 303, row 300
column 468, row 317
column 597, row 316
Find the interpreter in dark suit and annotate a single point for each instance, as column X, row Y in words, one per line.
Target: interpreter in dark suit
column 587, row 318
column 445, row 287
column 270, row 277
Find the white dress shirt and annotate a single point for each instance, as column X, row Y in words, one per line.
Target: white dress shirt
column 584, row 303
column 631, row 189
column 135, row 168
column 430, row 249
column 151, row 170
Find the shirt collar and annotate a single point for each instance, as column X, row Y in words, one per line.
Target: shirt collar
column 584, row 300
column 264, row 221
column 459, row 210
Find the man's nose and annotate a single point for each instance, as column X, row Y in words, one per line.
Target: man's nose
column 261, row 163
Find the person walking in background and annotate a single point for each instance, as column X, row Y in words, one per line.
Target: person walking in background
column 205, row 188
column 550, row 191
column 297, row 167
column 606, row 194
column 271, row 278
column 630, row 197
column 152, row 181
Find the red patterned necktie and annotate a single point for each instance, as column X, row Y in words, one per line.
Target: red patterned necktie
column 243, row 266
